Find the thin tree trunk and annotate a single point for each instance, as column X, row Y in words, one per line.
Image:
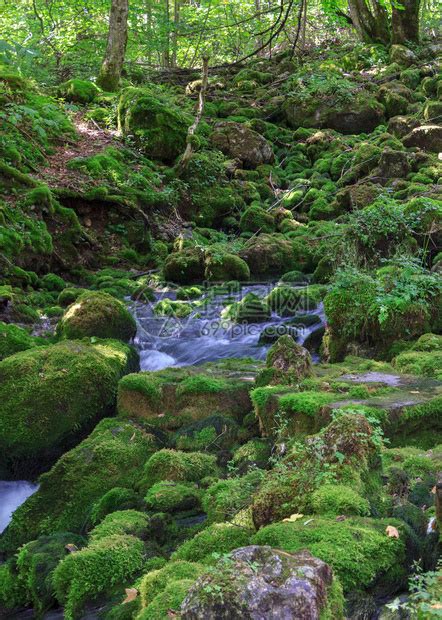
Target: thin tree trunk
column 112, row 66
column 176, row 23
column 192, row 129
column 405, row 22
column 166, row 51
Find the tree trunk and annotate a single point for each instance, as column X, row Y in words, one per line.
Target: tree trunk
column 405, row 22
column 176, row 23
column 112, row 66
column 372, row 25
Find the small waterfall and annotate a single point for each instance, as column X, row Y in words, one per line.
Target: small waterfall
column 204, row 336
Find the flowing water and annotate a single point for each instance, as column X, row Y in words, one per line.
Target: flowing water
column 204, row 336
column 12, row 495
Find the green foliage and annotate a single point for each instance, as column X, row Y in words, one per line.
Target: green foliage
column 176, row 466
column 119, row 523
column 118, row 498
column 224, row 499
column 78, row 91
column 14, row 339
column 172, row 497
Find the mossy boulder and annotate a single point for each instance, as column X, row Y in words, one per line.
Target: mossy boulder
column 97, row 569
column 256, row 219
column 239, row 142
column 225, row 498
column 338, row 499
column 359, row 550
column 175, row 397
column 250, row 309
column 167, row 496
column 185, row 267
column 97, row 314
column 78, row 91
column 268, row 254
column 113, row 455
column 214, row 539
column 226, row 267
column 50, row 394
column 287, row 363
column 158, row 126
column 177, row 466
column 260, row 582
column 402, row 55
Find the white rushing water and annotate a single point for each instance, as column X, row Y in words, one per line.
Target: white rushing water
column 12, row 495
column 204, row 336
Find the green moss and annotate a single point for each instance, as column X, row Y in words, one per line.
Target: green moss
column 69, row 295
column 251, row 309
column 35, row 562
column 118, row 498
column 269, row 254
column 113, row 455
column 98, row 568
column 226, row 267
column 215, row 539
column 224, row 499
column 14, row 339
column 338, row 499
column 99, row 315
column 418, row 425
column 176, row 466
column 172, row 497
column 177, row 309
column 12, row 592
column 155, row 581
column 119, row 523
column 426, row 363
column 78, row 91
column 185, row 267
column 358, row 550
column 256, row 219
column 254, row 453
column 156, row 124
column 78, row 378
column 168, row 601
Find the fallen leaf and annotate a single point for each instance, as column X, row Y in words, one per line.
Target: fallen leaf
column 433, row 490
column 436, row 606
column 133, row 437
column 414, row 392
column 131, row 595
column 294, row 517
column 308, row 521
column 392, row 532
column 71, row 548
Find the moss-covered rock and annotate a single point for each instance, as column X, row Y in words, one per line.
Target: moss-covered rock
column 215, row 539
column 78, row 91
column 97, row 315
column 185, row 267
column 238, row 141
column 268, row 254
column 14, row 339
column 158, row 126
column 226, row 267
column 256, row 219
column 250, row 309
column 113, row 455
column 177, row 466
column 103, row 565
column 175, row 397
column 287, row 363
column 225, row 498
column 49, row 394
column 338, row 499
column 167, row 496
column 359, row 550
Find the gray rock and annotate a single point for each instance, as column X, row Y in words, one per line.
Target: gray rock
column 426, row 137
column 402, row 55
column 261, row 583
column 238, row 141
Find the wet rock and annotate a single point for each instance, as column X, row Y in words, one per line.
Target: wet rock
column 237, row 141
column 402, row 56
column 427, row 137
column 261, row 583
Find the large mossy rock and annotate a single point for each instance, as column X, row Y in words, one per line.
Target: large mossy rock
column 156, row 124
column 78, row 91
column 362, row 115
column 402, row 55
column 185, row 267
column 258, row 582
column 358, row 549
column 97, row 315
column 174, row 397
column 426, row 137
column 48, row 395
column 112, row 456
column 269, row 254
column 288, row 363
column 226, row 267
column 14, row 339
column 239, row 142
